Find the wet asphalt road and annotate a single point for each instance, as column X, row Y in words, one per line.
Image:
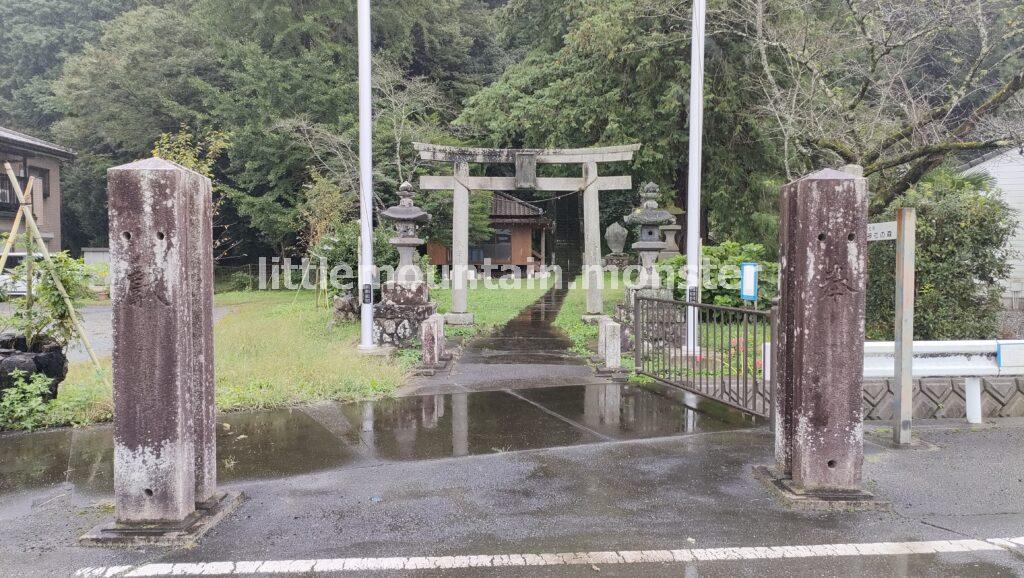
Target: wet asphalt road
column 633, row 494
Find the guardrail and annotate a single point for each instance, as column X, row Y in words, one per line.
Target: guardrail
column 970, row 360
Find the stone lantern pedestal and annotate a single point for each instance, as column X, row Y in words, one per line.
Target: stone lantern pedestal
column 405, row 300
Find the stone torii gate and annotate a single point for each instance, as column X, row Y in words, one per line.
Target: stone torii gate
column 525, row 161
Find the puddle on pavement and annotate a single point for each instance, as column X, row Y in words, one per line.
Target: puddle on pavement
column 282, row 443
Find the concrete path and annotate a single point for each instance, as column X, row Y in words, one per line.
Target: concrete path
column 528, row 352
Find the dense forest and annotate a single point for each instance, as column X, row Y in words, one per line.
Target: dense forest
column 261, row 96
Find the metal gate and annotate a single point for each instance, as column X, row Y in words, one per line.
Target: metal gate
column 730, row 361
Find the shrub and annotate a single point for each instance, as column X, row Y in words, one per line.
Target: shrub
column 721, row 270
column 241, row 281
column 963, row 231
column 23, row 405
column 342, row 247
column 48, row 318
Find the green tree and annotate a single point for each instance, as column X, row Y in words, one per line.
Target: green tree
column 963, row 230
column 615, row 72
column 35, row 39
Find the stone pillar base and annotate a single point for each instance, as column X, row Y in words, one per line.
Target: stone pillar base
column 172, row 535
column 792, row 495
column 459, row 319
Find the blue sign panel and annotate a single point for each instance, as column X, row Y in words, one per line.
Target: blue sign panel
column 748, row 281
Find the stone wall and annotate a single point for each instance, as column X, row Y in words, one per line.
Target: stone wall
column 944, row 397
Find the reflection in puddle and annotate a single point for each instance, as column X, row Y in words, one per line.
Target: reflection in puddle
column 282, row 443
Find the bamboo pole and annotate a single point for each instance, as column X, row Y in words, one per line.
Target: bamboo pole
column 34, row 230
column 14, row 233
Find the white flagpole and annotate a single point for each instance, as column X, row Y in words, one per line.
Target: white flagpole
column 365, row 292
column 693, row 241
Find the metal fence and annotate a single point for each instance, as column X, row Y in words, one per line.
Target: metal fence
column 729, row 362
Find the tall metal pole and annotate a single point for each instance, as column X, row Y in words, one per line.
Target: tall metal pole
column 365, row 178
column 693, row 241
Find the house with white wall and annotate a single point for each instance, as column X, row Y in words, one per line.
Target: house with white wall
column 1007, row 168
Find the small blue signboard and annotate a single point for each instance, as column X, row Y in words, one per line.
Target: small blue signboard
column 748, row 281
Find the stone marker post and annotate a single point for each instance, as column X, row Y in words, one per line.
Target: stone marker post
column 823, row 246
column 613, row 346
column 161, row 270
column 154, row 365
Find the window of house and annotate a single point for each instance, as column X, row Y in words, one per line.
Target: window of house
column 497, row 248
column 43, row 176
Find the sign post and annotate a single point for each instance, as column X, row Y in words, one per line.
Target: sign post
column 903, row 408
column 904, row 231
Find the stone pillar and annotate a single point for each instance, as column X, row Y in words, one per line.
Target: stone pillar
column 156, row 373
column 824, row 271
column 433, row 340
column 592, row 241
column 602, row 335
column 200, row 260
column 613, row 346
column 460, row 248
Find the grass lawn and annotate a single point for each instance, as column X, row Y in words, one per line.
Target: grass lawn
column 277, row 349
column 273, row 349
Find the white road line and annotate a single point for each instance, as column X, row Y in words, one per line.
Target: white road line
column 561, row 559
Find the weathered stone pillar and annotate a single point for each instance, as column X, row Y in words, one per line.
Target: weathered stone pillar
column 432, row 337
column 592, row 270
column 204, row 406
column 613, row 346
column 459, row 314
column 824, row 273
column 161, row 271
column 156, row 374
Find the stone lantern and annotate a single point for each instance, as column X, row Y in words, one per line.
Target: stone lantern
column 650, row 218
column 405, row 299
